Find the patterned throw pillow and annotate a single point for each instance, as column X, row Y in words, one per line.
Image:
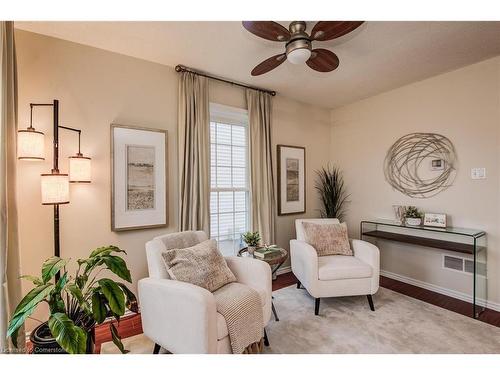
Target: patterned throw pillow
column 328, row 239
column 201, row 265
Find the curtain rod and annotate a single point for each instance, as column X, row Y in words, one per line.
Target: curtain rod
column 182, row 68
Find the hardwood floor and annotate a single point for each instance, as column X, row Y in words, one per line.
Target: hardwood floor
column 131, row 326
column 437, row 299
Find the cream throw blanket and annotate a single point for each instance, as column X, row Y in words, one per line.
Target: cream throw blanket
column 241, row 306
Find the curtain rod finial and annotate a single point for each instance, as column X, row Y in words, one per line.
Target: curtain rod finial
column 178, row 68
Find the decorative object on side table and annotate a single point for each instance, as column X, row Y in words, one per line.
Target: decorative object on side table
column 421, row 165
column 275, row 261
column 252, row 239
column 399, row 213
column 291, row 180
column 267, row 252
column 413, row 216
column 435, row 220
column 76, row 303
column 330, row 186
column 139, row 181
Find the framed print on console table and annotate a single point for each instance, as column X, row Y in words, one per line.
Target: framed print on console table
column 138, row 178
column 291, row 180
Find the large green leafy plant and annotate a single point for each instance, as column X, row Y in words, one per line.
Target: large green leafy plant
column 77, row 303
column 330, row 186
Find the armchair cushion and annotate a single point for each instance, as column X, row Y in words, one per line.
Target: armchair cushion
column 338, row 267
column 201, row 265
column 327, row 239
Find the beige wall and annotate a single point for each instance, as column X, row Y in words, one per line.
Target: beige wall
column 463, row 105
column 97, row 88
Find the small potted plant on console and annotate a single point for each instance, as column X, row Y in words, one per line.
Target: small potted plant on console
column 413, row 216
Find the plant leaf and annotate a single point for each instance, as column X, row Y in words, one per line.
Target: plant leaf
column 117, row 340
column 114, row 295
column 81, row 280
column 98, row 308
column 27, row 305
column 77, row 293
column 106, row 250
column 131, row 299
column 51, row 266
column 118, row 266
column 70, row 337
column 35, row 280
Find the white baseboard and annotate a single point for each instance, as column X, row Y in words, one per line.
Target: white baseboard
column 439, row 289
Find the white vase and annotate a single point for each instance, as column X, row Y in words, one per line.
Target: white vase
column 413, row 221
column 251, row 249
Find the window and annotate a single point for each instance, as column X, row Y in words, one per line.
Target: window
column 229, row 190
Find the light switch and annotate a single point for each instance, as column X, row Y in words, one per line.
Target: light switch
column 478, row 173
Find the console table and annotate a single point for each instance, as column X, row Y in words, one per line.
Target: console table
column 460, row 240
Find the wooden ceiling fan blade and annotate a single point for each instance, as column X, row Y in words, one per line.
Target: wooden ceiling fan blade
column 328, row 30
column 269, row 64
column 323, row 60
column 268, row 30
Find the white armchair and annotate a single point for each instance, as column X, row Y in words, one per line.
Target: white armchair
column 335, row 275
column 182, row 317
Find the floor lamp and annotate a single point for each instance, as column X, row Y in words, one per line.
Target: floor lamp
column 54, row 185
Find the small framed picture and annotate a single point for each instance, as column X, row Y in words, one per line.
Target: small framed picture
column 437, row 164
column 435, row 220
column 291, row 180
column 138, row 178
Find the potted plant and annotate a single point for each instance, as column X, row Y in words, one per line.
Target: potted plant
column 76, row 303
column 413, row 216
column 330, row 185
column 252, row 240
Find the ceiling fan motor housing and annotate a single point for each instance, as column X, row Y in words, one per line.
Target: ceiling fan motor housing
column 298, row 48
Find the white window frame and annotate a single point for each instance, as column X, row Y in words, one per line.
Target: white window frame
column 233, row 116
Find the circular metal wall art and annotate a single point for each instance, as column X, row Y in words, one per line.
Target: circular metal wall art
column 406, row 163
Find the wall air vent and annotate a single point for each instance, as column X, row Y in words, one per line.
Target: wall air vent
column 453, row 263
column 463, row 265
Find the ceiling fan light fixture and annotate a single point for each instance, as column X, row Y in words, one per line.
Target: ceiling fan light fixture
column 299, row 55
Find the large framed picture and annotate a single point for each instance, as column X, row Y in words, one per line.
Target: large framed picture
column 138, row 178
column 291, row 180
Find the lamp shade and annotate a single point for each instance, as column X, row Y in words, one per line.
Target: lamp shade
column 55, row 188
column 79, row 169
column 30, row 145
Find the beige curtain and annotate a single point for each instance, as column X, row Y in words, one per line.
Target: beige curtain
column 261, row 167
column 194, row 154
column 10, row 291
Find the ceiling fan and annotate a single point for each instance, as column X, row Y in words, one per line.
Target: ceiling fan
column 298, row 44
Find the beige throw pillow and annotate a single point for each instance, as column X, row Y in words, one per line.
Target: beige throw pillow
column 328, row 239
column 201, row 265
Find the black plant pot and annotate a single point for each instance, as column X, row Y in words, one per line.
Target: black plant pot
column 44, row 343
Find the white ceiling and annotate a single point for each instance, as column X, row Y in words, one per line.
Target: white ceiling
column 377, row 57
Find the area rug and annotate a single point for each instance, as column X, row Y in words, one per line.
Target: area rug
column 400, row 324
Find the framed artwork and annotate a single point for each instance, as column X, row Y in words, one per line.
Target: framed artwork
column 138, row 178
column 291, row 180
column 435, row 220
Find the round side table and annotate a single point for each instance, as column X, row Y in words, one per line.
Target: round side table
column 275, row 262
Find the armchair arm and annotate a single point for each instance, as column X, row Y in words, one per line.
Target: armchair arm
column 252, row 272
column 369, row 254
column 304, row 262
column 257, row 275
column 178, row 316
